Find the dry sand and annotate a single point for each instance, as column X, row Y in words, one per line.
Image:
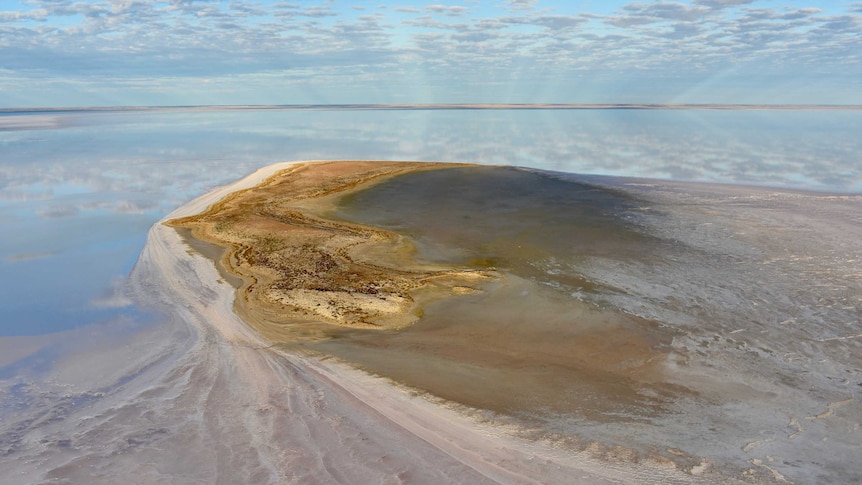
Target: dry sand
column 302, row 270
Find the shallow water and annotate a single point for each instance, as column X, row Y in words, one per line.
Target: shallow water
column 633, row 312
column 502, row 217
column 775, row 277
column 78, row 190
column 529, row 343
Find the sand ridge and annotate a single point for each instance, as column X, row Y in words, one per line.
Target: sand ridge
column 298, row 265
column 310, row 419
column 220, row 403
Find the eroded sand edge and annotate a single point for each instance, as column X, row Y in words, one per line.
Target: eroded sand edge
column 300, row 268
column 268, row 379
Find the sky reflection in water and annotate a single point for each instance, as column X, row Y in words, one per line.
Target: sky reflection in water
column 78, row 191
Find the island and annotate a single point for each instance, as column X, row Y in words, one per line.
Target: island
column 517, row 324
column 298, row 265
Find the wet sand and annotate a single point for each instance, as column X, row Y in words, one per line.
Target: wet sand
column 203, row 398
column 558, row 345
column 483, row 338
column 742, row 309
column 524, row 346
column 321, row 421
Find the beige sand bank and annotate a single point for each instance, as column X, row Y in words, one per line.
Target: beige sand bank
column 301, row 269
column 203, row 398
column 309, row 420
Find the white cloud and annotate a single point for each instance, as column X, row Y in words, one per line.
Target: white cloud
column 553, row 22
column 647, row 13
column 128, row 43
column 12, row 16
column 450, row 11
column 723, row 3
column 522, row 4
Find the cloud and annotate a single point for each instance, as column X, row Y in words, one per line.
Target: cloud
column 553, row 22
column 143, row 48
column 13, row 16
column 647, row 13
column 449, row 11
column 722, row 3
column 757, row 14
column 522, row 4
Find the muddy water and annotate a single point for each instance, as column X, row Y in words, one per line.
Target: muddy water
column 529, row 344
column 513, row 219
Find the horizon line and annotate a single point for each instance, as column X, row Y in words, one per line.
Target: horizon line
column 438, row 106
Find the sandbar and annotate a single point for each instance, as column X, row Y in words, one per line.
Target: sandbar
column 320, row 420
column 300, row 268
column 205, row 397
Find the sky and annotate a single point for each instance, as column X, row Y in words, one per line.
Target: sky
column 58, row 53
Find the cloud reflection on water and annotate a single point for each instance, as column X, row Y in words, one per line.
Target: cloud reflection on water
column 82, row 190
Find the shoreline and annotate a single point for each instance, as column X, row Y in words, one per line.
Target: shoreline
column 494, row 453
column 441, row 106
column 570, row 447
column 303, row 271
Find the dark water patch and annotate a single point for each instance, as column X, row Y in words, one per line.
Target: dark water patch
column 529, row 223
column 522, row 349
column 531, row 344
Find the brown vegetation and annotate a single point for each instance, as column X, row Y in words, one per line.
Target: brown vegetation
column 298, row 264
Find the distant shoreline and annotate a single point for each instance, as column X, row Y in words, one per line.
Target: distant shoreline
column 442, row 107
